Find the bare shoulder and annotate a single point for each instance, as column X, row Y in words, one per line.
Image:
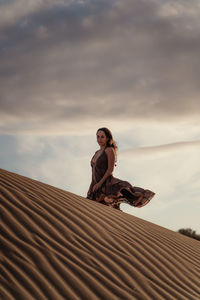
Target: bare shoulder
column 110, row 151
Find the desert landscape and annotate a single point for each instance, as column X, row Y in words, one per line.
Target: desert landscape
column 58, row 245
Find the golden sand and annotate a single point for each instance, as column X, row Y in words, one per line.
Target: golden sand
column 60, row 246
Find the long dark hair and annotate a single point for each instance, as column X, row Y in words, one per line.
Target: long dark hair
column 110, row 141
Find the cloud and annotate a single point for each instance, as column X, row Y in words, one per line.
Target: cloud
column 13, row 11
column 163, row 149
column 172, row 171
column 75, row 61
column 60, row 161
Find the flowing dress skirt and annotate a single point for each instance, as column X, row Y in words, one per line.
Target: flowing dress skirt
column 115, row 191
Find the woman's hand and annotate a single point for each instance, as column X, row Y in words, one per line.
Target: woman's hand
column 96, row 187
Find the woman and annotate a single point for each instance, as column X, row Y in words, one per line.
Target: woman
column 107, row 189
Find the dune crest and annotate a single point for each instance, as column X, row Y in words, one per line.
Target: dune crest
column 57, row 245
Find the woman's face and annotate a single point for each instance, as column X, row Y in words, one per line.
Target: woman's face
column 101, row 138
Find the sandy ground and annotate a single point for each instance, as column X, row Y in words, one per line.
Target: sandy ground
column 57, row 245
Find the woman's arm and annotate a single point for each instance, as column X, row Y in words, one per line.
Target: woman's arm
column 111, row 163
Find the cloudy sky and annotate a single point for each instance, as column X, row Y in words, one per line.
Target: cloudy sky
column 68, row 67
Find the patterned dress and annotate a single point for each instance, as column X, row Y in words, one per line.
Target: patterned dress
column 115, row 191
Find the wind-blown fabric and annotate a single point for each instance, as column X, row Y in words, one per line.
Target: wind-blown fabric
column 115, row 191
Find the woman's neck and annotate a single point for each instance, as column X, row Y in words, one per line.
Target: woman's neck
column 102, row 148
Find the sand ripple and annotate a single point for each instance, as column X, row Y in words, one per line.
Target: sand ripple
column 57, row 245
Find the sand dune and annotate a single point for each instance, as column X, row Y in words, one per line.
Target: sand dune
column 57, row 245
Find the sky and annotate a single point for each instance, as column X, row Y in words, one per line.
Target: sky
column 69, row 67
